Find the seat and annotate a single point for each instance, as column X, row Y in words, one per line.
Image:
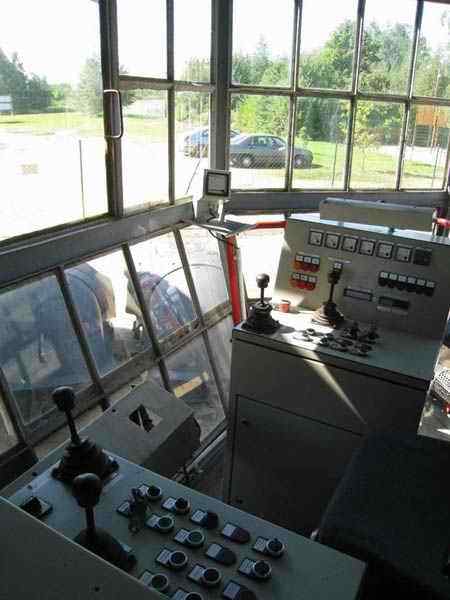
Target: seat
column 392, row 510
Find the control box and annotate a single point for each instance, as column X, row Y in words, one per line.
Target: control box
column 192, row 547
column 399, row 279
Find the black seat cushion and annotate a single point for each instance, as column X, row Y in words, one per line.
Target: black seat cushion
column 392, row 509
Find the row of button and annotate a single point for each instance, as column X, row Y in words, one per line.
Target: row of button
column 303, row 282
column 307, row 263
column 386, row 250
column 406, row 283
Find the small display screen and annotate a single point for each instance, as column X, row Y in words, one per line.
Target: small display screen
column 217, row 183
column 358, row 294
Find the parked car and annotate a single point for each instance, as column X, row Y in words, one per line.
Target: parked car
column 258, row 151
column 196, row 142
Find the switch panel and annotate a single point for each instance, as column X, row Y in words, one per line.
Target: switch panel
column 372, row 259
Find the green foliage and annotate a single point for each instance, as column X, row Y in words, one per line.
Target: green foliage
column 29, row 93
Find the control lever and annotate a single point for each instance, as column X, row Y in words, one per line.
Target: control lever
column 81, row 455
column 328, row 313
column 87, row 489
column 260, row 319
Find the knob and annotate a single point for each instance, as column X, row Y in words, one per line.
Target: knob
column 195, row 539
column 87, row 489
column 354, row 330
column 64, row 398
column 211, row 577
column 210, row 520
column 165, row 524
column 159, row 582
column 274, row 547
column 193, row 596
column 182, row 506
column 261, row 569
column 373, row 333
column 178, row 560
column 154, row 493
column 262, row 280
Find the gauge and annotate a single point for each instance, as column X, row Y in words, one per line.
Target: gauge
column 367, row 247
column 315, row 238
column 403, row 253
column 385, row 250
column 349, row 243
column 332, row 241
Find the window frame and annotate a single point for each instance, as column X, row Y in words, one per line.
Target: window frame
column 310, row 197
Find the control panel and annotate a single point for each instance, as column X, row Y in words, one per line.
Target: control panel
column 185, row 545
column 399, row 279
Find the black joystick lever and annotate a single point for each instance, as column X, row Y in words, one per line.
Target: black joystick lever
column 260, row 319
column 81, row 455
column 328, row 313
column 87, row 489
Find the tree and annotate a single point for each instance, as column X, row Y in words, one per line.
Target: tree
column 30, row 93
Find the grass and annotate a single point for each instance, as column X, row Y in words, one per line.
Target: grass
column 377, row 169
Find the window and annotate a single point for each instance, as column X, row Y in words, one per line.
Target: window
column 52, row 149
column 365, row 106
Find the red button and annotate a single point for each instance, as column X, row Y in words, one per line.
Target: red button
column 310, row 286
column 302, row 285
column 314, row 268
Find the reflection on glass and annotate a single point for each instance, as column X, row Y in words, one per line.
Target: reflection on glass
column 111, row 318
column 52, row 148
column 38, row 347
column 142, row 37
column 164, row 285
column 262, row 42
column 260, row 247
column 426, row 147
column 206, row 267
column 145, row 163
column 322, row 128
column 376, row 145
column 192, row 40
column 258, row 156
column 8, row 436
column 220, row 340
column 327, row 43
column 192, row 380
column 387, row 45
column 433, row 56
column 192, row 142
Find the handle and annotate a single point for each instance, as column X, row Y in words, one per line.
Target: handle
column 115, row 94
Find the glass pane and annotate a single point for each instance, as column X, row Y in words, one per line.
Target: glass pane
column 192, row 40
column 8, row 436
column 206, row 267
column 192, row 380
column 376, row 145
column 39, row 350
column 433, row 57
column 258, row 153
column 52, row 148
column 320, row 143
column 262, row 42
column 426, row 147
column 106, row 302
column 142, row 37
column 164, row 286
column 145, row 149
column 260, row 247
column 387, row 45
column 192, row 142
column 220, row 340
column 327, row 43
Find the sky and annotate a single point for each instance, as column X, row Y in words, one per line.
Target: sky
column 55, row 37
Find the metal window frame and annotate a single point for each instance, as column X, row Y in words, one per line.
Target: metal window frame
column 262, row 198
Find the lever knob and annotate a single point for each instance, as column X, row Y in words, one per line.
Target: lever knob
column 64, row 398
column 87, row 489
column 262, row 280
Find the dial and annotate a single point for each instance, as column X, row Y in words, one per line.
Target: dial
column 403, row 253
column 367, row 247
column 349, row 243
column 385, row 250
column 315, row 238
column 332, row 241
